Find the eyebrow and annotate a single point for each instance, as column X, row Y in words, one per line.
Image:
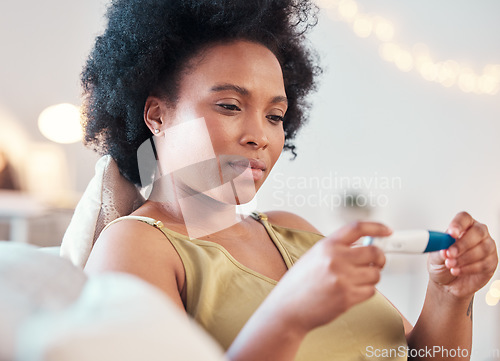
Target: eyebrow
column 244, row 91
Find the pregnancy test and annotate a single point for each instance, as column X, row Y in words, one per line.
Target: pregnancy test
column 417, row 241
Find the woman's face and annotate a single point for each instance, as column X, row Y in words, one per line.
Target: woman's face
column 226, row 131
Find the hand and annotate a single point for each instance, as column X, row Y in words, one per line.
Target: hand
column 468, row 264
column 330, row 278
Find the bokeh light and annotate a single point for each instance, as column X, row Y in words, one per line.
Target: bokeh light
column 495, row 289
column 404, row 60
column 428, row 70
column 61, row 123
column 362, row 26
column 467, row 80
column 495, row 292
column 448, row 73
column 491, row 300
column 348, row 9
column 487, row 84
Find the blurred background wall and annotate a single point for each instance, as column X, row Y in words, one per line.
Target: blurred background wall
column 405, row 125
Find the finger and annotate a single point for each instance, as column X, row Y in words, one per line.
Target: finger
column 487, row 266
column 362, row 276
column 437, row 258
column 473, row 236
column 364, row 256
column 459, row 224
column 354, row 231
column 475, row 254
column 362, row 293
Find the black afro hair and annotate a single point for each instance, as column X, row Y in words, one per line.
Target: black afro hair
column 148, row 42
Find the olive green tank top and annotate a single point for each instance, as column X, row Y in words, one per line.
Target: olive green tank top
column 222, row 294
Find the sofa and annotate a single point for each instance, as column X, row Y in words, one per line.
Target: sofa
column 50, row 309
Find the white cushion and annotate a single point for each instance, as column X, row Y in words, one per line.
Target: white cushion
column 31, row 281
column 107, row 197
column 51, row 311
column 117, row 317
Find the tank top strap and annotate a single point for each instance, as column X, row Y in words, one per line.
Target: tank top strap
column 172, row 237
column 275, row 237
column 151, row 221
column 258, row 216
column 263, row 219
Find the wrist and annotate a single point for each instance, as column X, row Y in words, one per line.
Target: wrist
column 446, row 298
column 289, row 325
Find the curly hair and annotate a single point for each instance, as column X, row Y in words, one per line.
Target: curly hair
column 145, row 49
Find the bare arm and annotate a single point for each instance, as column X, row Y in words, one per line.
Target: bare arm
column 444, row 327
column 330, row 278
column 445, row 323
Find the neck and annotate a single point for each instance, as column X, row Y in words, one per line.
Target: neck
column 200, row 213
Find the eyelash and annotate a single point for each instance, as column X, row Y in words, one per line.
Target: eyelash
column 232, row 107
column 275, row 118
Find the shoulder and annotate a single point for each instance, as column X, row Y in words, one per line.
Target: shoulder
column 138, row 248
column 130, row 233
column 126, row 245
column 290, row 220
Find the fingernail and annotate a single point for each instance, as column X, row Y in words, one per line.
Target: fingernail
column 450, row 262
column 455, row 232
column 452, row 252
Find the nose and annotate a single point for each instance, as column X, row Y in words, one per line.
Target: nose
column 253, row 132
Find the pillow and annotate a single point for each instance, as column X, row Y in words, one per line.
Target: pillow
column 116, row 317
column 31, row 281
column 107, row 197
column 51, row 311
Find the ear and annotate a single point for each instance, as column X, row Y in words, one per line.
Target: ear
column 155, row 114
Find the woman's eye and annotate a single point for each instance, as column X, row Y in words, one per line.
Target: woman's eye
column 231, row 107
column 275, row 118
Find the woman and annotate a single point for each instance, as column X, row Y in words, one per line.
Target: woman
column 220, row 87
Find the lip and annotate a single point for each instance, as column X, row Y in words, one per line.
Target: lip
column 250, row 163
column 256, row 166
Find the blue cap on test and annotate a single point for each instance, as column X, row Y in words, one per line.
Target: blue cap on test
column 438, row 241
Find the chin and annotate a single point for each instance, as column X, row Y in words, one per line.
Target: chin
column 244, row 199
column 233, row 194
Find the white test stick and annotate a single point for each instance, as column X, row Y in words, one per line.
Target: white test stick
column 414, row 241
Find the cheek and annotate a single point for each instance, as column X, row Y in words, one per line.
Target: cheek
column 186, row 144
column 220, row 136
column 277, row 142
